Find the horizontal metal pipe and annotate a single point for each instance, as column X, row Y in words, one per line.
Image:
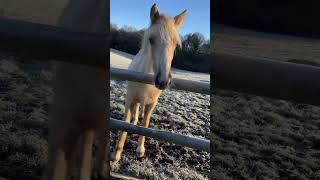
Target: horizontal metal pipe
column 51, row 42
column 181, row 84
column 282, row 80
column 192, row 142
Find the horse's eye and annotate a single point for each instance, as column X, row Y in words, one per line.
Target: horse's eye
column 151, row 40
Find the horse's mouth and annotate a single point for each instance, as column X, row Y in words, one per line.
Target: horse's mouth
column 162, row 85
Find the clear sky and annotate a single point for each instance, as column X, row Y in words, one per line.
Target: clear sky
column 135, row 13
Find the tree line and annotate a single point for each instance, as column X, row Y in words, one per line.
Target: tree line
column 191, row 56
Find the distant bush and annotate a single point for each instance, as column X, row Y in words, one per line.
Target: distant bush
column 191, row 56
column 127, row 40
column 191, row 62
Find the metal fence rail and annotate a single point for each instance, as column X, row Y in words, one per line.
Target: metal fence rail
column 187, row 141
column 280, row 80
column 51, row 42
column 181, row 84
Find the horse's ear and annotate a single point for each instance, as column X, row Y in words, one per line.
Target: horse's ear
column 178, row 20
column 154, row 13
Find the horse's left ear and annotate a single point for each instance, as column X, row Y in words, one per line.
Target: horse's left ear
column 154, row 13
column 178, row 20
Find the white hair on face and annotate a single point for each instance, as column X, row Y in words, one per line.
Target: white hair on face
column 166, row 27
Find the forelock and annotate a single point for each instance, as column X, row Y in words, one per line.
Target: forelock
column 166, row 27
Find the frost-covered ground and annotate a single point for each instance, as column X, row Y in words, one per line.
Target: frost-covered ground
column 262, row 138
column 182, row 112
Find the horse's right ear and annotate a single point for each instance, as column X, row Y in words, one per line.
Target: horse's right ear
column 178, row 20
column 154, row 13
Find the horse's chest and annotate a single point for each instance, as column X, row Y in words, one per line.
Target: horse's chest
column 152, row 97
column 142, row 93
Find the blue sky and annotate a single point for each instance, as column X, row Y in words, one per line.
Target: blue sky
column 135, row 13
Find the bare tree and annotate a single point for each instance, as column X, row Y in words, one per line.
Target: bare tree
column 192, row 42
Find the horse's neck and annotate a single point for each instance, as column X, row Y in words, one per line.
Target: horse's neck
column 143, row 62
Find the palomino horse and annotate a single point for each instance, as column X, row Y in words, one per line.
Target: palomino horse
column 155, row 57
column 78, row 113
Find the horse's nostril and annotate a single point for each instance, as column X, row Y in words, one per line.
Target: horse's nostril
column 160, row 84
column 163, row 85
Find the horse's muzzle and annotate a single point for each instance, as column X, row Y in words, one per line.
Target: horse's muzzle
column 160, row 84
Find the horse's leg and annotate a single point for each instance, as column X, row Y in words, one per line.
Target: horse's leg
column 142, row 111
column 145, row 123
column 60, row 158
column 56, row 169
column 86, row 142
column 123, row 136
column 102, row 161
column 70, row 151
column 59, row 166
column 136, row 113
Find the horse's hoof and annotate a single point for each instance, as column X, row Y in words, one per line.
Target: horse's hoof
column 116, row 156
column 140, row 152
